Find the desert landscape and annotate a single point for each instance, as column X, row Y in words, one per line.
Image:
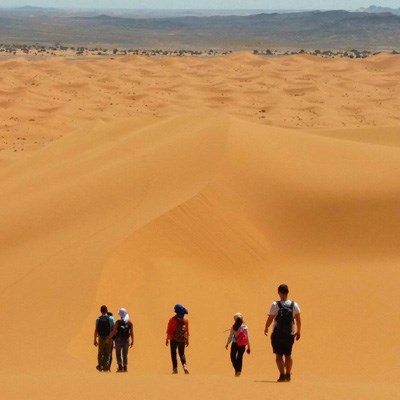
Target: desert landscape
column 141, row 182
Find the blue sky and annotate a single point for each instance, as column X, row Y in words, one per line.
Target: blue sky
column 205, row 4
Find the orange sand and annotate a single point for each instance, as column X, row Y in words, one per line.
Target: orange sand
column 142, row 182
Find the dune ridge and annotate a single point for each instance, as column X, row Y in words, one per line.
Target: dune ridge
column 40, row 102
column 212, row 208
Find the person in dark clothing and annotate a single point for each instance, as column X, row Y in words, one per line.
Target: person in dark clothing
column 110, row 314
column 104, row 325
column 178, row 337
column 123, row 331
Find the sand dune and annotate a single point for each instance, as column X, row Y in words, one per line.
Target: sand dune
column 43, row 100
column 180, row 191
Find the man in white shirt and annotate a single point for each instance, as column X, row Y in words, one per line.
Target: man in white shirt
column 283, row 313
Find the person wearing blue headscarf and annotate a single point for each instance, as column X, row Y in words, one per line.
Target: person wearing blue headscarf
column 180, row 310
column 178, row 337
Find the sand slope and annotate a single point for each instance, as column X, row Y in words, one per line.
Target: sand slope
column 212, row 210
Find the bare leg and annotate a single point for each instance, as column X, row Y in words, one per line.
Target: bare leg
column 288, row 364
column 280, row 364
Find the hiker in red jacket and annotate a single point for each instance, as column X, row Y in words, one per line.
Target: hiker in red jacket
column 178, row 337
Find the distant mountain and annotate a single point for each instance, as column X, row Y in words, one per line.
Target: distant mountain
column 300, row 30
column 380, row 10
column 30, row 11
column 35, row 9
column 138, row 13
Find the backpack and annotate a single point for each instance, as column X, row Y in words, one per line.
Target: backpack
column 180, row 333
column 104, row 326
column 243, row 337
column 123, row 330
column 284, row 318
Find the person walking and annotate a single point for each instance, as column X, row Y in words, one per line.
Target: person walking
column 239, row 337
column 178, row 337
column 112, row 344
column 285, row 314
column 122, row 332
column 103, row 328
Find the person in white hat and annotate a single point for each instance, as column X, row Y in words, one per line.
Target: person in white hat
column 122, row 331
column 239, row 337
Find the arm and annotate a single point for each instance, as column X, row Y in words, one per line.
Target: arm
column 170, row 331
column 187, row 332
column 298, row 325
column 113, row 331
column 248, row 343
column 268, row 323
column 230, row 338
column 132, row 336
column 95, row 337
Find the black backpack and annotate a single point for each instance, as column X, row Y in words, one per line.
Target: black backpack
column 123, row 330
column 104, row 326
column 284, row 318
column 180, row 334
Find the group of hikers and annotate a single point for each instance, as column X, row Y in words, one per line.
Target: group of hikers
column 107, row 332
column 284, row 315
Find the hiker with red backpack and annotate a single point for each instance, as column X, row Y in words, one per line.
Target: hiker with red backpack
column 239, row 337
column 287, row 325
column 122, row 332
column 104, row 326
column 178, row 337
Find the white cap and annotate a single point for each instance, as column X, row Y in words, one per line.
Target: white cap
column 122, row 312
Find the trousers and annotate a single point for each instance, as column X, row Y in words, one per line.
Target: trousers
column 237, row 356
column 180, row 346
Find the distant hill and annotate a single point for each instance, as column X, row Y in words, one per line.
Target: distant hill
column 31, row 10
column 309, row 30
column 380, row 10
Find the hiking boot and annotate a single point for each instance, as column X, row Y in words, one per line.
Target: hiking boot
column 287, row 377
column 175, row 371
column 282, row 378
column 185, row 369
column 125, row 368
column 119, row 368
column 237, row 374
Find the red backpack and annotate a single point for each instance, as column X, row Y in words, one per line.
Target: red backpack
column 243, row 337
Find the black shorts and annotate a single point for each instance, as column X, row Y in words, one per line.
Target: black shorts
column 282, row 343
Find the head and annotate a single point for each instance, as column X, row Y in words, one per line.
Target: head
column 180, row 310
column 103, row 309
column 283, row 291
column 238, row 317
column 122, row 313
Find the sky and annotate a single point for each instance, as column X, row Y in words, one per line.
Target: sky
column 205, row 4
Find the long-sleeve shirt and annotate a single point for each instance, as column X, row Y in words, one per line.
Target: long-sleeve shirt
column 233, row 335
column 172, row 325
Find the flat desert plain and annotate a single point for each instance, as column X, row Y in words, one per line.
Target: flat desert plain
column 141, row 182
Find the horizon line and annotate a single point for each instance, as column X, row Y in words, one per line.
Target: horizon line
column 177, row 9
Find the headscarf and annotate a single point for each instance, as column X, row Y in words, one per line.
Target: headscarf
column 238, row 317
column 180, row 310
column 123, row 314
